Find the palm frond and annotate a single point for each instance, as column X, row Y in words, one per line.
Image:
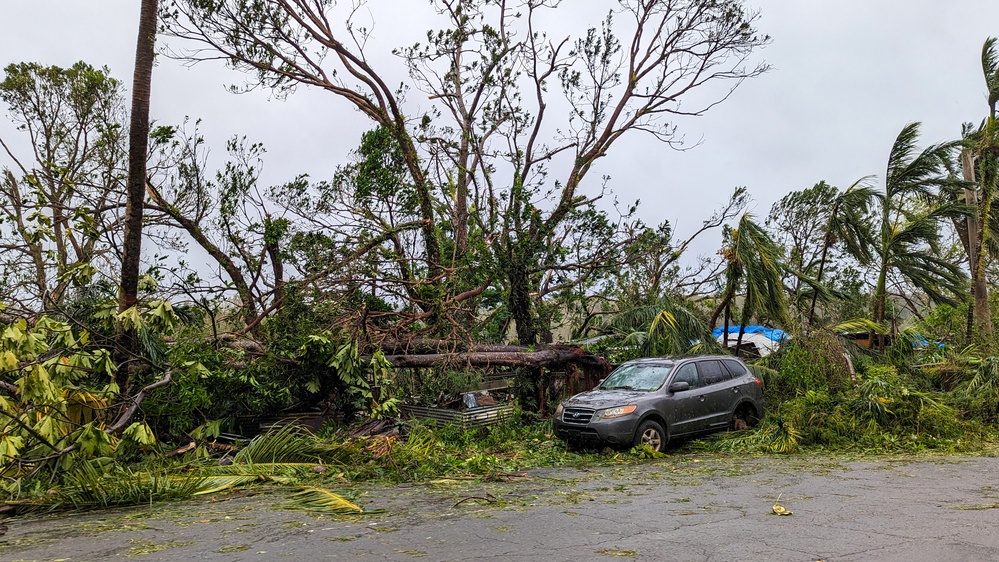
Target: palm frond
column 214, row 484
column 755, row 264
column 903, row 346
column 849, row 222
column 986, row 378
column 858, row 325
column 915, row 174
column 290, row 443
column 320, row 499
column 89, row 485
column 990, row 67
column 900, row 157
column 264, row 468
column 674, row 330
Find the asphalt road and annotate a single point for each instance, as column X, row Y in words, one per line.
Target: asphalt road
column 680, row 508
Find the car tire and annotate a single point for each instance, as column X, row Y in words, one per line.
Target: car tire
column 651, row 433
column 744, row 417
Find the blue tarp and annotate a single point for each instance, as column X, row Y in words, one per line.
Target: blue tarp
column 920, row 342
column 773, row 334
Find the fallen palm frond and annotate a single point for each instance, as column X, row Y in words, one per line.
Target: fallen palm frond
column 776, row 435
column 266, row 469
column 289, row 443
column 214, row 484
column 320, row 499
column 292, row 444
column 90, row 486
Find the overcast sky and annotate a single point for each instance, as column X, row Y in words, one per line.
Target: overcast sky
column 847, row 76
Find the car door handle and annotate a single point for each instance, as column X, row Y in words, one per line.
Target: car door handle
column 701, row 398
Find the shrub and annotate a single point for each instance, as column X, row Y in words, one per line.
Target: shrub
column 816, row 362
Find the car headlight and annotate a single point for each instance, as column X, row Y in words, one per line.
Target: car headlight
column 559, row 410
column 617, row 412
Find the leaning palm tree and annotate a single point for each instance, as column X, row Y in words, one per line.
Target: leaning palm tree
column 753, row 266
column 848, row 225
column 907, row 241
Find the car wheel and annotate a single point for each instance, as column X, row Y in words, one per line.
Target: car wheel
column 652, row 434
column 744, row 417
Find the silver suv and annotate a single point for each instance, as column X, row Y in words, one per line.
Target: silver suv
column 654, row 400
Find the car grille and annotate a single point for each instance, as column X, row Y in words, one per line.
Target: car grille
column 581, row 416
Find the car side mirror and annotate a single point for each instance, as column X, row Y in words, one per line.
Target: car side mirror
column 679, row 386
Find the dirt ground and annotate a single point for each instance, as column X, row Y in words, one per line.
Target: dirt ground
column 680, row 508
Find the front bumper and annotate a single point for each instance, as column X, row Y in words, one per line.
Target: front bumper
column 616, row 431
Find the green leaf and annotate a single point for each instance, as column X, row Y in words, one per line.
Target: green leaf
column 10, row 446
column 139, row 432
column 130, row 319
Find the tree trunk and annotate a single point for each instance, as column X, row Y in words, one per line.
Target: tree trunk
column 980, row 316
column 138, row 139
column 728, row 320
column 277, row 267
column 738, row 342
column 534, row 359
column 721, row 308
column 429, row 345
column 818, row 279
column 249, row 308
column 880, row 304
column 519, row 300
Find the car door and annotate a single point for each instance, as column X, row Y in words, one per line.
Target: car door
column 720, row 393
column 685, row 411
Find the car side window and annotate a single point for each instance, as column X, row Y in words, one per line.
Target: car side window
column 712, row 372
column 734, row 368
column 688, row 374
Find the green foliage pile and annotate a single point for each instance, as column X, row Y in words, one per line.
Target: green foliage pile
column 60, row 402
column 425, row 452
column 814, row 405
column 315, row 466
column 300, row 365
column 815, row 363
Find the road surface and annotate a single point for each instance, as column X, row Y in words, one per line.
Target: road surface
column 682, row 508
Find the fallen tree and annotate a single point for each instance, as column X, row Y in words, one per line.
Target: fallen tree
column 511, row 356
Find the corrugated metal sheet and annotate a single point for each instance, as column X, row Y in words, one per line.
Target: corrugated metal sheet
column 473, row 417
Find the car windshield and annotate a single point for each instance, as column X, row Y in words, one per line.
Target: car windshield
column 637, row 377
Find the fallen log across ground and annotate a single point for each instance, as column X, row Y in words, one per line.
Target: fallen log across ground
column 418, row 346
column 543, row 358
